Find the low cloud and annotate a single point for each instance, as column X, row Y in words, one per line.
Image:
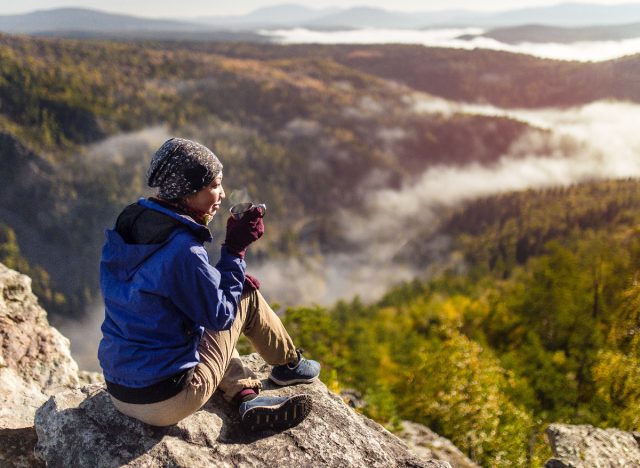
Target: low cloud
column 596, row 141
column 120, row 148
column 85, row 335
column 585, row 51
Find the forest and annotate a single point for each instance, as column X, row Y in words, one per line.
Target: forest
column 524, row 314
column 539, row 326
column 315, row 125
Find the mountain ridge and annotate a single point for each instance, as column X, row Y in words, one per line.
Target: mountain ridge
column 291, row 15
column 62, row 19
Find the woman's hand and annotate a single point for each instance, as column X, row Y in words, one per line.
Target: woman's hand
column 251, row 282
column 244, row 231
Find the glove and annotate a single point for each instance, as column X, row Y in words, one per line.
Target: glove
column 244, row 231
column 250, row 283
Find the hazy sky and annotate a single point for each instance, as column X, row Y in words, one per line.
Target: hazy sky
column 190, row 8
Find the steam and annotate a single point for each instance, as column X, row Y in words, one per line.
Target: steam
column 584, row 51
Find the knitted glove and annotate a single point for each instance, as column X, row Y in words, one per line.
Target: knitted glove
column 242, row 232
column 251, row 283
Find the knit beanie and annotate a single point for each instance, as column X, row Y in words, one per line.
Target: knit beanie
column 181, row 167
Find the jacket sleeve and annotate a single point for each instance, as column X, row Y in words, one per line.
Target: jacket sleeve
column 209, row 296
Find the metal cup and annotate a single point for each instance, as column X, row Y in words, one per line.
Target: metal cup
column 239, row 209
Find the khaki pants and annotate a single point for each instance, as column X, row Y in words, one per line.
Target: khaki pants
column 220, row 364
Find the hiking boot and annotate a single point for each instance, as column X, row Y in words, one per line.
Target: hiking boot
column 304, row 371
column 274, row 412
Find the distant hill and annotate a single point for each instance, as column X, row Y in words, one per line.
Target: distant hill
column 366, row 17
column 286, row 15
column 81, row 19
column 75, row 22
column 564, row 14
column 568, row 14
column 481, row 76
column 539, row 33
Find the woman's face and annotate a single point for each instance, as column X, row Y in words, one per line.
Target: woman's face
column 208, row 198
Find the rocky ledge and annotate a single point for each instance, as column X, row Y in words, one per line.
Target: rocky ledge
column 585, row 446
column 428, row 445
column 76, row 424
column 82, row 428
column 35, row 363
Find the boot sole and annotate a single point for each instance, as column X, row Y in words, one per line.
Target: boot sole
column 283, row 416
column 284, row 383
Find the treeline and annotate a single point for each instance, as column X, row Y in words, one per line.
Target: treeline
column 500, row 232
column 490, row 354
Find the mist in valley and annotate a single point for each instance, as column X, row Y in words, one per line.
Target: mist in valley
column 461, row 38
column 511, row 228
column 595, row 141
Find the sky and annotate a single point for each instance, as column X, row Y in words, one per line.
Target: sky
column 193, row 8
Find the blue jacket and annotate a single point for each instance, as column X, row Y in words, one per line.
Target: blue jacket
column 159, row 298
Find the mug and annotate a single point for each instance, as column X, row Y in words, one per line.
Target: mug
column 239, row 209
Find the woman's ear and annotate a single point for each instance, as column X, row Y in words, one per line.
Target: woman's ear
column 186, row 199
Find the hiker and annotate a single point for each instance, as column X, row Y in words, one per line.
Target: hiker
column 172, row 320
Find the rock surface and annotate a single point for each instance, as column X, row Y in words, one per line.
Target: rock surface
column 35, row 363
column 422, row 441
column 588, row 446
column 78, row 425
column 428, row 445
column 82, row 428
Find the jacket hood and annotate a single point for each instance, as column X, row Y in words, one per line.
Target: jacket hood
column 201, row 232
column 122, row 260
column 141, row 230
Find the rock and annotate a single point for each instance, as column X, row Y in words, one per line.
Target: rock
column 587, row 446
column 82, row 428
column 88, row 377
column 426, row 444
column 35, row 362
column 353, row 398
column 16, row 448
column 421, row 440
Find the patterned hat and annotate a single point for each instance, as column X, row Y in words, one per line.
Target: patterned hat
column 182, row 167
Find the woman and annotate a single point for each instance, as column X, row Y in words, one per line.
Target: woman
column 172, row 320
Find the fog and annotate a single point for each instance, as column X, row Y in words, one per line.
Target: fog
column 595, row 141
column 120, row 148
column 126, row 149
column 585, row 51
column 84, row 334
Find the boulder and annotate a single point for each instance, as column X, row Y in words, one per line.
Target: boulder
column 35, row 362
column 426, row 444
column 585, row 446
column 82, row 428
column 422, row 441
